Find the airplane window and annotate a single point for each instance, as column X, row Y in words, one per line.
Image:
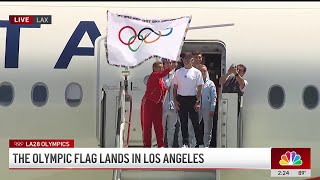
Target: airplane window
column 276, row 97
column 39, row 94
column 6, row 94
column 310, row 97
column 73, row 94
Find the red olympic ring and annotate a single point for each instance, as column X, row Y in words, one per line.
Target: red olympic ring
column 135, row 35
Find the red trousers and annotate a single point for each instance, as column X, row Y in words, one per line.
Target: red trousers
column 151, row 113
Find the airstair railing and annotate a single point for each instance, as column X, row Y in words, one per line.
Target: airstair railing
column 221, row 129
column 103, row 118
column 119, row 140
column 240, row 124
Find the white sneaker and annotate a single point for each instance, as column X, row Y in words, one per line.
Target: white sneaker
column 185, row 146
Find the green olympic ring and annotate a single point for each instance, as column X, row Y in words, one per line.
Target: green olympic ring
column 140, row 37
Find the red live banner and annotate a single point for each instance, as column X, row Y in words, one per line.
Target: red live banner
column 30, row 19
column 21, row 19
column 41, row 143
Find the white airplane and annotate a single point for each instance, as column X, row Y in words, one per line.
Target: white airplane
column 49, row 73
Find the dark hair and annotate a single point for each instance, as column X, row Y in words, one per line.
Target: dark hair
column 186, row 55
column 196, row 53
column 244, row 68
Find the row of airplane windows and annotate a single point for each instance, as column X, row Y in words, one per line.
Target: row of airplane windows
column 310, row 97
column 74, row 94
column 40, row 94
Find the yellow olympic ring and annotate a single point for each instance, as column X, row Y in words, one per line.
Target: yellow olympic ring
column 149, row 42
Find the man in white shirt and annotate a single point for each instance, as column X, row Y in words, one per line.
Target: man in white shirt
column 188, row 83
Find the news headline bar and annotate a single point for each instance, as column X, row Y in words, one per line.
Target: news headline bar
column 61, row 154
column 140, row 158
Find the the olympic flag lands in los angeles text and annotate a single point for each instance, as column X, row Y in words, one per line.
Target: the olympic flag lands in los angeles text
column 133, row 40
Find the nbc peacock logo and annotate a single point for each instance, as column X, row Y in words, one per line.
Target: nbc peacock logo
column 290, row 159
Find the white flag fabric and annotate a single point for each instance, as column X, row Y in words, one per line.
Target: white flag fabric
column 133, row 40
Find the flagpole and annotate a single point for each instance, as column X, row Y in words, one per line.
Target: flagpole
column 210, row 26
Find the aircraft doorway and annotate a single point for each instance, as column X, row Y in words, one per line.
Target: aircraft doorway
column 214, row 57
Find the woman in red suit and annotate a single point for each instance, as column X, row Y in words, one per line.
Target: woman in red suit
column 152, row 104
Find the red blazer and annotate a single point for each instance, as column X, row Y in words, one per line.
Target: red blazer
column 156, row 88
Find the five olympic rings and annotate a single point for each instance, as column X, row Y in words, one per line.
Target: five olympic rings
column 140, row 37
column 18, row 143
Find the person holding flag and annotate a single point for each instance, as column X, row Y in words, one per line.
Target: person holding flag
column 152, row 104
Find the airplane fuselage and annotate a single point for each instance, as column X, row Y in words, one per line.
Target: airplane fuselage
column 279, row 46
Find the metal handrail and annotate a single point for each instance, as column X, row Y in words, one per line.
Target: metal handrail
column 120, row 127
column 240, row 125
column 97, row 51
column 102, row 120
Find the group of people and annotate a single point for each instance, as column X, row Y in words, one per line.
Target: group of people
column 184, row 94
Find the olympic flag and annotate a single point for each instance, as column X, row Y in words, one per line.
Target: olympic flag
column 133, row 40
